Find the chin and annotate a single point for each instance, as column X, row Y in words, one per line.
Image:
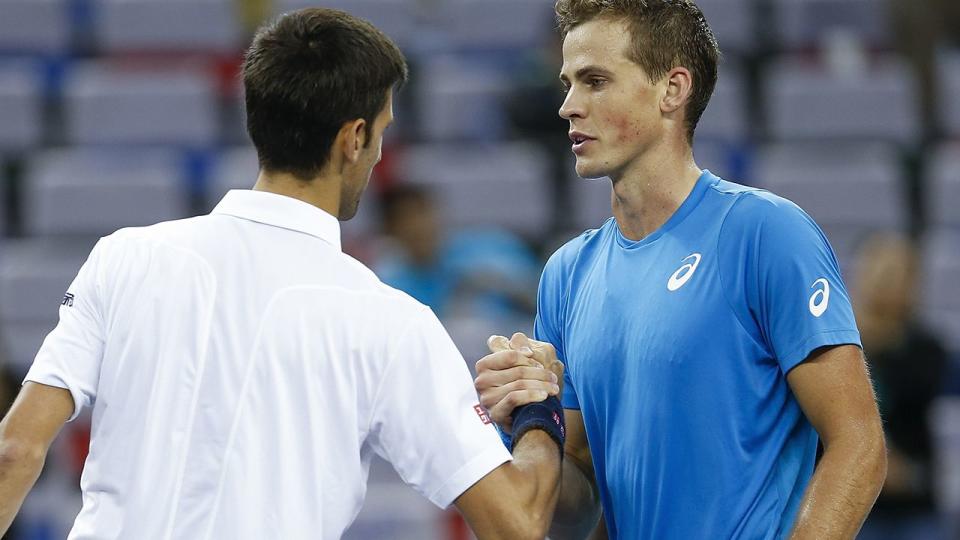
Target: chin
column 588, row 170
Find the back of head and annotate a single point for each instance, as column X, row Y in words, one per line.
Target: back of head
column 665, row 34
column 305, row 75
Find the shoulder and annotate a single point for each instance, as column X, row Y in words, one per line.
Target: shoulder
column 755, row 210
column 566, row 257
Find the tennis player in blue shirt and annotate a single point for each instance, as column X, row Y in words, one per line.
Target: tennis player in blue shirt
column 706, row 331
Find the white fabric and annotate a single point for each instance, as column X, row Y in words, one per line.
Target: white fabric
column 243, row 371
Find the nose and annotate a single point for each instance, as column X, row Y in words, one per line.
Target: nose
column 572, row 106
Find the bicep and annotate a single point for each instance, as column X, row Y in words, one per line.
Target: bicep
column 833, row 389
column 37, row 415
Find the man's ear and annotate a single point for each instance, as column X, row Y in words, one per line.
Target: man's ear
column 679, row 87
column 353, row 139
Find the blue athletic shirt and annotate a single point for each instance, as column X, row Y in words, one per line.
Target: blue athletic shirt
column 677, row 348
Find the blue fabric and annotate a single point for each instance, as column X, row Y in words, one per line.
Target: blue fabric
column 677, row 349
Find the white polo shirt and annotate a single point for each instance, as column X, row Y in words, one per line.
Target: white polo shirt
column 242, row 372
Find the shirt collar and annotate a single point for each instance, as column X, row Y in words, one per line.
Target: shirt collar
column 280, row 211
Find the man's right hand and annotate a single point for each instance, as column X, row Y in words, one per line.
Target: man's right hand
column 516, row 372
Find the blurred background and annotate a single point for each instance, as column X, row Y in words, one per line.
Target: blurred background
column 116, row 113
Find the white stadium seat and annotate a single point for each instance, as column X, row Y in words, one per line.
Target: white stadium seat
column 726, row 115
column 940, row 294
column 494, row 24
column 34, row 275
column 34, row 26
column 78, row 192
column 457, row 100
column 807, row 23
column 109, row 105
column 849, row 189
column 733, row 23
column 809, row 101
column 500, row 185
column 395, row 18
column 206, row 26
column 942, row 185
column 21, row 107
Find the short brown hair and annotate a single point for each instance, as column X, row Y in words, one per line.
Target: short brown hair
column 665, row 33
column 305, row 75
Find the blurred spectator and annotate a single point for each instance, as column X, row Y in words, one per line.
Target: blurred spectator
column 907, row 363
column 486, row 273
column 921, row 28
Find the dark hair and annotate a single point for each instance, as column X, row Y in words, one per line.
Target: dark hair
column 665, row 34
column 305, row 75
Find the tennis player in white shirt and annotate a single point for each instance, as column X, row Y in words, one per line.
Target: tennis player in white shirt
column 242, row 370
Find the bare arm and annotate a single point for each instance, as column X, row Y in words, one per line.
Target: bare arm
column 578, row 508
column 25, row 436
column 834, row 391
column 516, row 364
column 517, row 499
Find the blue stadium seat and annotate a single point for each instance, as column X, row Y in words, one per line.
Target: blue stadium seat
column 204, row 26
column 34, row 26
column 92, row 192
column 21, row 107
column 809, row 101
column 850, row 189
column 503, row 185
column 34, row 275
column 800, row 24
column 942, row 185
column 108, row 105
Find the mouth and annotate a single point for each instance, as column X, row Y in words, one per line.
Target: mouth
column 580, row 141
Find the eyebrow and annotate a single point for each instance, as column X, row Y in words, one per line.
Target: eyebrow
column 586, row 70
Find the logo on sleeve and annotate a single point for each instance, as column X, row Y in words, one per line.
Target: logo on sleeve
column 484, row 417
column 67, row 300
column 684, row 273
column 820, row 299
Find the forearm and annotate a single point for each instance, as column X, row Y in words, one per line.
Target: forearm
column 19, row 469
column 578, row 506
column 842, row 491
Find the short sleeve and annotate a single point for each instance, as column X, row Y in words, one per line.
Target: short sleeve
column 71, row 354
column 794, row 286
column 548, row 324
column 427, row 420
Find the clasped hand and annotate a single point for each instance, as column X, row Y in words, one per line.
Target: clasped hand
column 517, row 371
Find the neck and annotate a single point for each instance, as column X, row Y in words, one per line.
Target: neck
column 651, row 188
column 322, row 192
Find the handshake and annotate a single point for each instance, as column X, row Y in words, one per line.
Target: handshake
column 517, row 371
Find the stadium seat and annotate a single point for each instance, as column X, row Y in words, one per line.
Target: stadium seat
column 80, row 192
column 733, row 23
column 849, row 189
column 137, row 26
column 34, row 275
column 21, row 107
column 34, row 26
column 809, row 101
column 726, row 117
column 396, row 18
column 939, row 291
column 948, row 72
column 498, row 185
column 942, row 186
column 800, row 24
column 457, row 100
column 494, row 24
column 109, row 105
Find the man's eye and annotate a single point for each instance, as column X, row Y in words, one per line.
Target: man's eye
column 595, row 82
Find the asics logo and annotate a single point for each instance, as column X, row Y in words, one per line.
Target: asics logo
column 684, row 273
column 820, row 299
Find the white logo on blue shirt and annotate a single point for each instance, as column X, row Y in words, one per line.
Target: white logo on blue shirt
column 821, row 298
column 684, row 273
